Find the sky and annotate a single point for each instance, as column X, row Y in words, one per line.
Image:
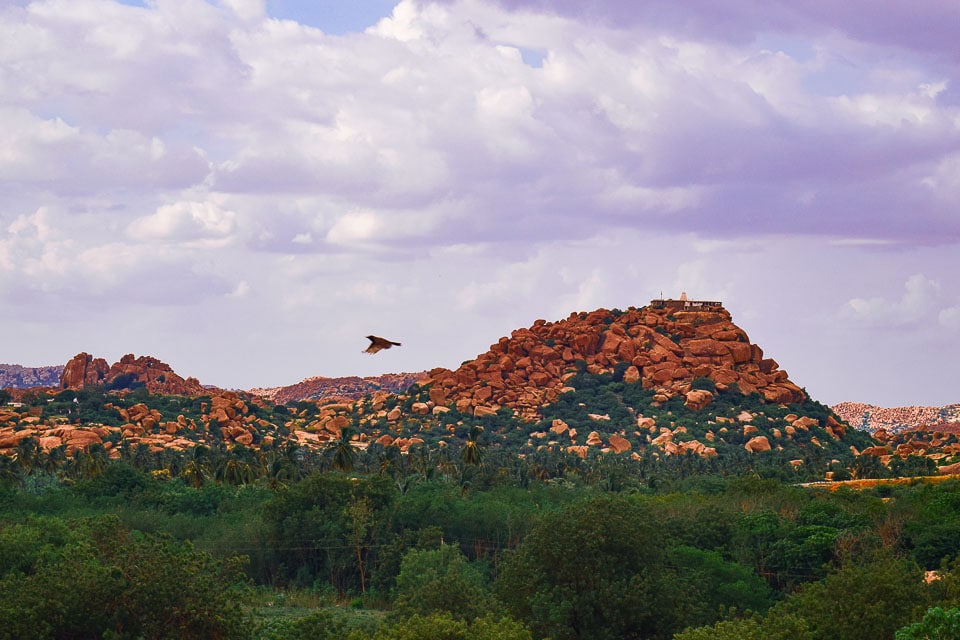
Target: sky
column 245, row 189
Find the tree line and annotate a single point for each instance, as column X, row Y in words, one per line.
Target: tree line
column 138, row 551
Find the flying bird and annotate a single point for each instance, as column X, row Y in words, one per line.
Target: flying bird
column 377, row 343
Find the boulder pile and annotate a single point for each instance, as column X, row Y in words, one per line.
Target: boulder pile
column 663, row 349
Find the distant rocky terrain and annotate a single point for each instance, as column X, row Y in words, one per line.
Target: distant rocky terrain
column 872, row 418
column 348, row 388
column 158, row 377
column 14, row 376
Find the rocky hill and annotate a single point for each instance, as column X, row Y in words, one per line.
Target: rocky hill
column 663, row 346
column 673, row 380
column 872, row 418
column 14, row 376
column 129, row 372
column 669, row 379
column 346, row 388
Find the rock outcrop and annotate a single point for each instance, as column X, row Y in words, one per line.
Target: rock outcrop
column 225, row 418
column 129, row 372
column 662, row 348
column 84, row 370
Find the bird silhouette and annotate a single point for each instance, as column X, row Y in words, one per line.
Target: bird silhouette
column 377, row 343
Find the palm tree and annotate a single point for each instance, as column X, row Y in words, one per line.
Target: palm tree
column 90, row 463
column 393, row 463
column 197, row 470
column 446, row 464
column 171, row 462
column 195, row 474
column 285, row 463
column 344, row 453
column 99, row 458
column 143, row 458
column 235, row 471
column 10, row 471
column 52, row 461
column 422, row 460
column 473, row 452
column 26, row 454
column 281, row 472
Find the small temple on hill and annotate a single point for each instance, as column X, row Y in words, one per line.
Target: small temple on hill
column 685, row 303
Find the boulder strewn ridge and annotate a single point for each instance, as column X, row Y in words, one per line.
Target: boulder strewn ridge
column 665, row 346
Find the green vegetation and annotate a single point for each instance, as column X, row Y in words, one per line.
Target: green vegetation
column 483, row 530
column 541, row 549
column 91, row 577
column 937, row 624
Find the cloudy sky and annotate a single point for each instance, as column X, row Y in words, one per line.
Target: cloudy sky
column 244, row 189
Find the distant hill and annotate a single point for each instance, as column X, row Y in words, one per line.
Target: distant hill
column 14, row 376
column 347, row 388
column 872, row 418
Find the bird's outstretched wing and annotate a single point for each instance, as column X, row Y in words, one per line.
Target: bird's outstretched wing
column 377, row 343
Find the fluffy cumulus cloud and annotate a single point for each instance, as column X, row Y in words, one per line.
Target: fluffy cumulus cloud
column 918, row 303
column 185, row 222
column 471, row 165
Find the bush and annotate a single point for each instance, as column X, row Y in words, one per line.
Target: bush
column 441, row 580
column 103, row 580
column 581, row 574
column 704, row 383
column 937, row 624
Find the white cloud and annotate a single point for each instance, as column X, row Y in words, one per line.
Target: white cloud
column 50, row 154
column 918, row 303
column 36, row 225
column 893, row 109
column 188, row 152
column 241, row 290
column 192, row 223
column 360, row 227
column 247, row 10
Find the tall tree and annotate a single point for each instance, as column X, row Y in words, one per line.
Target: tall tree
column 595, row 570
column 359, row 516
column 867, row 601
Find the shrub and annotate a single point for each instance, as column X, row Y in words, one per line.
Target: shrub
column 704, row 383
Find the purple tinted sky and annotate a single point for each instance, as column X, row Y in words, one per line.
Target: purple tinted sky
column 245, row 189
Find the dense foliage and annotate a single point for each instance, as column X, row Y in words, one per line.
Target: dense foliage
column 134, row 553
column 92, row 577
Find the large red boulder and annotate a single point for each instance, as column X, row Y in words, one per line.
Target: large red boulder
column 83, row 370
